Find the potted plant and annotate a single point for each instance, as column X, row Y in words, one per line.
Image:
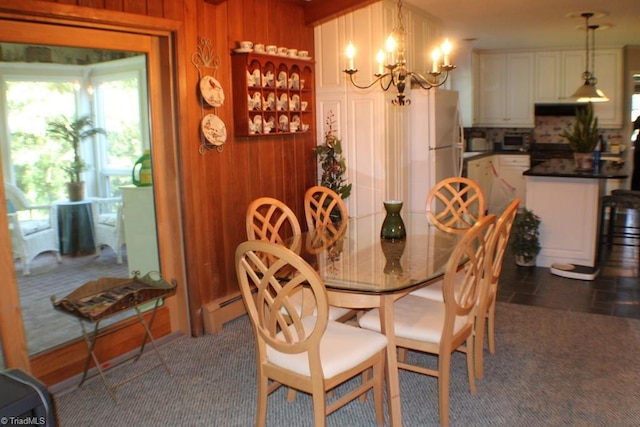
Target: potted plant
column 332, row 163
column 74, row 132
column 525, row 242
column 583, row 137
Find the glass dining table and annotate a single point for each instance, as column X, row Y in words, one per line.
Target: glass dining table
column 360, row 271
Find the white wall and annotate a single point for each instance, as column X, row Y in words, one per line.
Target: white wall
column 372, row 130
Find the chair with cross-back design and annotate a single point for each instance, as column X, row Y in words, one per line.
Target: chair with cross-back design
column 304, row 350
column 455, row 204
column 271, row 220
column 323, row 208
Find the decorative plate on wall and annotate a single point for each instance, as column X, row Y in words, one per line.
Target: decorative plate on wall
column 214, row 129
column 212, row 91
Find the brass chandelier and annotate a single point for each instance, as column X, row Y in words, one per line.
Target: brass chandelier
column 392, row 67
column 588, row 92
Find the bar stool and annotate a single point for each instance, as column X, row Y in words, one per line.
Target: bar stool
column 628, row 233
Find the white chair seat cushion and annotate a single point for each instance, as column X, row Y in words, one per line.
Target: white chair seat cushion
column 334, row 312
column 434, row 291
column 341, row 348
column 415, row 318
column 30, row 226
column 108, row 219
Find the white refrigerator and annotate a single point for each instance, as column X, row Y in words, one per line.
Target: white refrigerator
column 435, row 148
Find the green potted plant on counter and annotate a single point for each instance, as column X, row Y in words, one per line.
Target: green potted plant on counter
column 525, row 242
column 583, row 137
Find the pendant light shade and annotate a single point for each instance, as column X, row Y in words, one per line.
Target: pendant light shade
column 588, row 92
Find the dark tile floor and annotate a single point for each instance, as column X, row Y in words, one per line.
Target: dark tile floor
column 615, row 291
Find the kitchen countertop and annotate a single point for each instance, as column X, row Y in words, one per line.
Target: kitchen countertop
column 566, row 168
column 472, row 155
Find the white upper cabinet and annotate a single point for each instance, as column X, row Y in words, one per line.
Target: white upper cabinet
column 505, row 90
column 559, row 73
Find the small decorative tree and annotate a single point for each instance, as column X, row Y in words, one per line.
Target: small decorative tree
column 74, row 132
column 331, row 161
column 525, row 243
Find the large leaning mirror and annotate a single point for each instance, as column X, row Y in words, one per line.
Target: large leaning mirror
column 70, row 116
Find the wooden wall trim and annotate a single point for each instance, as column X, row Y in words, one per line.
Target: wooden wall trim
column 44, row 11
column 61, row 363
column 318, row 12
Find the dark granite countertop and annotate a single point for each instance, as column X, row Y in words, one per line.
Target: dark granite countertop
column 566, row 168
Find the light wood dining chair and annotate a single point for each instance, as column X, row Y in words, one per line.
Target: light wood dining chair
column 271, row 220
column 301, row 350
column 323, row 207
column 496, row 239
column 441, row 328
column 487, row 311
column 455, row 204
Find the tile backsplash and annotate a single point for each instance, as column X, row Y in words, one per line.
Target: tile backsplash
column 546, row 131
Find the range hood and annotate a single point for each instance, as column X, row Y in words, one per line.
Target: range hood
column 564, row 109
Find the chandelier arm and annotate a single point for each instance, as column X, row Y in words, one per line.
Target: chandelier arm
column 424, row 83
column 379, row 78
column 389, row 83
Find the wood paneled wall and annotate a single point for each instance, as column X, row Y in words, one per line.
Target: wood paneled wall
column 217, row 186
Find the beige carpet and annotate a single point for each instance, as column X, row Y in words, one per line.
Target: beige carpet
column 46, row 327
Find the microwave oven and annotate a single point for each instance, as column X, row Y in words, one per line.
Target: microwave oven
column 514, row 142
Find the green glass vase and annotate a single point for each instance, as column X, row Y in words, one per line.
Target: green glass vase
column 393, row 227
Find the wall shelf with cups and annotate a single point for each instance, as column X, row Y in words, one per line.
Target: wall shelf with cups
column 273, row 93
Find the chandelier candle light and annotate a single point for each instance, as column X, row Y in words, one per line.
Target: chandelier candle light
column 394, row 61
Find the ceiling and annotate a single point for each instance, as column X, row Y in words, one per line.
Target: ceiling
column 530, row 24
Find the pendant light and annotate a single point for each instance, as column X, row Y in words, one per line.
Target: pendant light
column 589, row 92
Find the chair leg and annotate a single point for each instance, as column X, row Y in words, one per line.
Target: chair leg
column 471, row 363
column 319, row 405
column 491, row 328
column 263, row 393
column 478, row 345
column 378, row 388
column 444, row 369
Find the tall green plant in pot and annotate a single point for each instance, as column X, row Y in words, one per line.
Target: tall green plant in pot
column 525, row 243
column 583, row 137
column 73, row 132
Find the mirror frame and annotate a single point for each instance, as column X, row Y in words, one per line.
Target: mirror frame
column 158, row 38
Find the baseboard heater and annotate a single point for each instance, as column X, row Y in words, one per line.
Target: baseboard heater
column 216, row 313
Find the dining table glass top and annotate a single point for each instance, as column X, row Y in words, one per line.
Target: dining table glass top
column 353, row 258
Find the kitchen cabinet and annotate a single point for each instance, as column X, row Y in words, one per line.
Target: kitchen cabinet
column 510, row 168
column 559, row 73
column 505, row 90
column 139, row 213
column 481, row 171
